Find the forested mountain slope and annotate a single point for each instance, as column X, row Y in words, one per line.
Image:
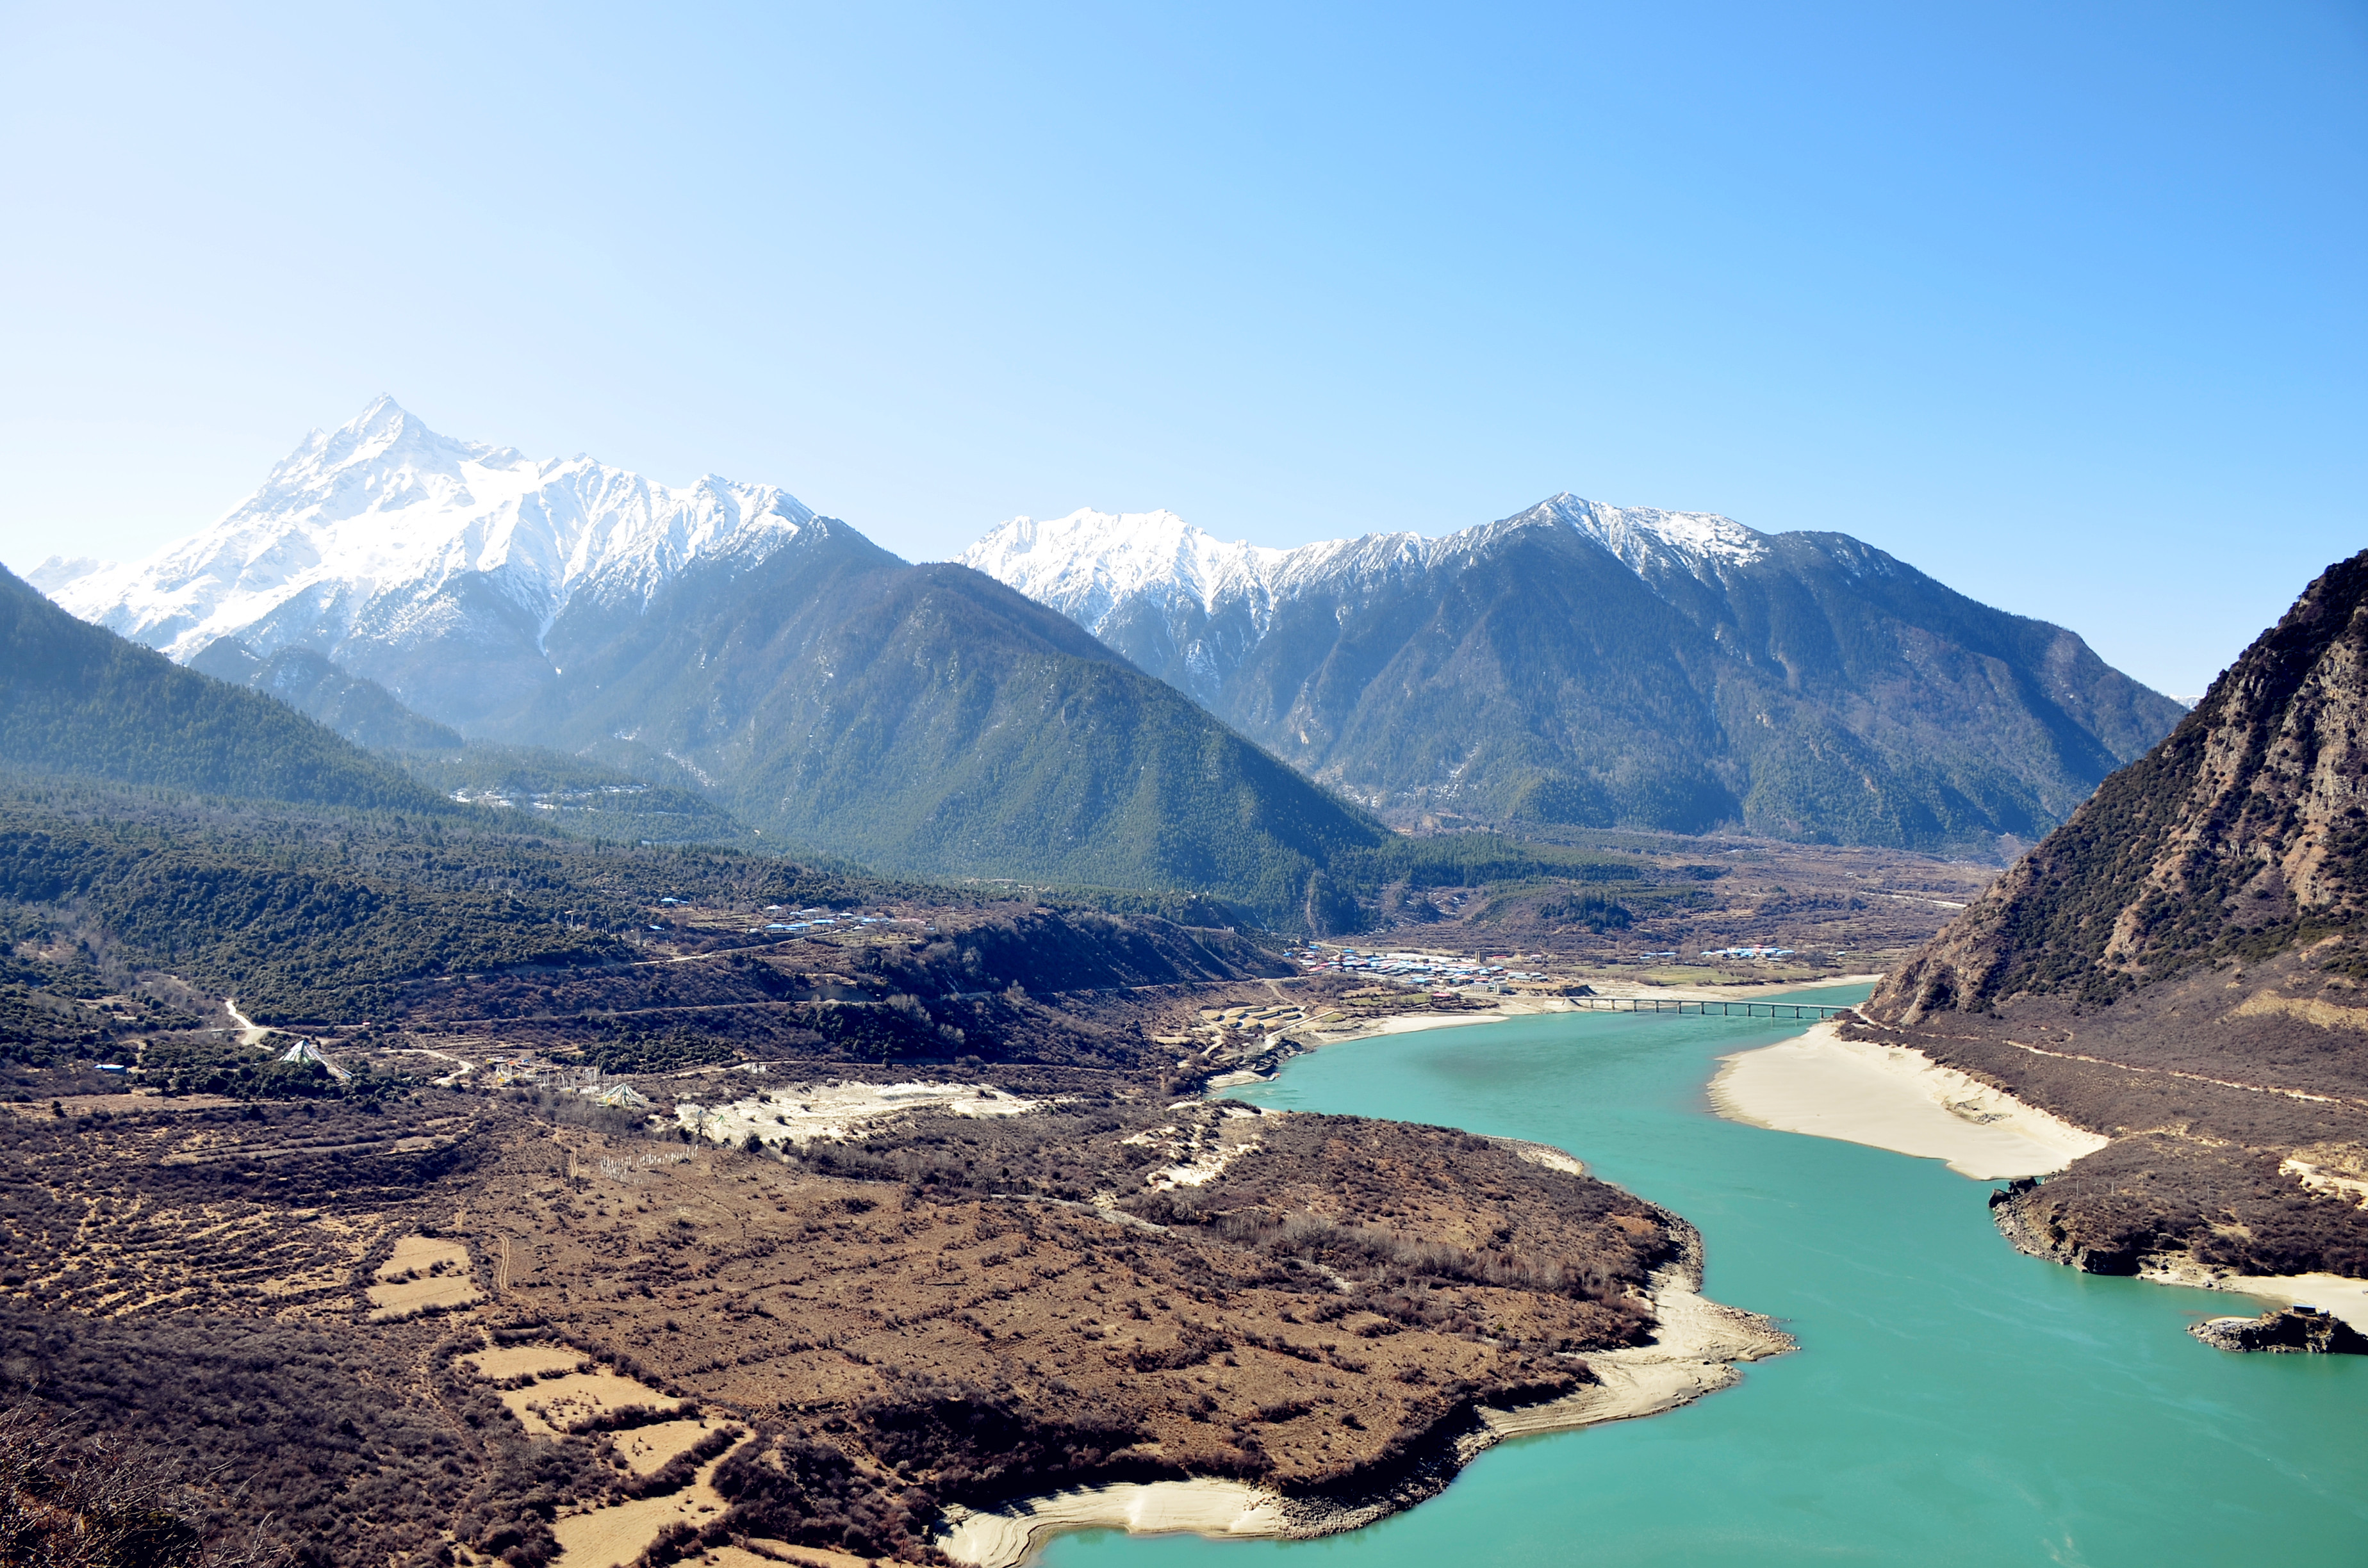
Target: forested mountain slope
column 2181, row 966
column 1596, row 665
column 74, row 699
column 309, row 681
column 928, row 718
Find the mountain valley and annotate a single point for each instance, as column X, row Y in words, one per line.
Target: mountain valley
column 725, row 641
column 409, row 1128
column 622, row 1026
column 1571, row 669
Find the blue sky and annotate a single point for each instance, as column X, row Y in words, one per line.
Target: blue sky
column 2062, row 304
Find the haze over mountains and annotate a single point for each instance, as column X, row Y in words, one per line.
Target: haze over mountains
column 1598, row 665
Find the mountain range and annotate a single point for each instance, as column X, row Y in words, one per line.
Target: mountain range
column 412, row 589
column 1124, row 701
column 929, row 719
column 1595, row 665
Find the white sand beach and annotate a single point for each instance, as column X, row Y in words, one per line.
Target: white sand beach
column 1413, row 1023
column 1694, row 1351
column 1891, row 1097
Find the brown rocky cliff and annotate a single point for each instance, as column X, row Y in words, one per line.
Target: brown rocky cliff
column 2183, row 967
column 2240, row 835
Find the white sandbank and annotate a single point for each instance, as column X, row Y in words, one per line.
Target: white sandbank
column 1693, row 1353
column 2333, row 1293
column 1411, row 1023
column 1311, row 1037
column 1529, row 1007
column 1204, row 1507
column 1892, row 1098
column 838, row 1111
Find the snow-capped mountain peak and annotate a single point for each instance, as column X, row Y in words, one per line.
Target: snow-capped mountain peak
column 1219, row 600
column 358, row 528
column 1646, row 537
column 1088, row 562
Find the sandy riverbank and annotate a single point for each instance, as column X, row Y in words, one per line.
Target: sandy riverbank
column 1894, row 1099
column 1291, row 1042
column 1694, row 1351
column 1863, row 1092
column 1520, row 1007
column 2333, row 1293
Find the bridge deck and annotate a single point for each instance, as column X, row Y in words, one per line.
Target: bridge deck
column 1688, row 1006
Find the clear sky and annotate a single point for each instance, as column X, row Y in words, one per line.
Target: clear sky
column 2061, row 303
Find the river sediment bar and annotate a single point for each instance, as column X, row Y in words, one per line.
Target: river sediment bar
column 1891, row 1097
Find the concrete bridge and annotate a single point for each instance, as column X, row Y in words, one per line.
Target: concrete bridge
column 1688, row 1007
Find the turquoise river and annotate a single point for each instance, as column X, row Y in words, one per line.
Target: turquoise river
column 1951, row 1402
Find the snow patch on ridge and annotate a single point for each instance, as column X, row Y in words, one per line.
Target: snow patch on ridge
column 1645, row 537
column 59, row 570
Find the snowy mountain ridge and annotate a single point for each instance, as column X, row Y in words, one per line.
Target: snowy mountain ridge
column 1091, row 565
column 366, row 531
column 1093, row 559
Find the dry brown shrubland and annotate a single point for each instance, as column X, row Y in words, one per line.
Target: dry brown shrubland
column 953, row 1311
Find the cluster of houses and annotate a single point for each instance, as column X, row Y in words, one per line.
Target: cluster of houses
column 1749, row 955
column 816, row 920
column 1434, row 968
column 789, row 921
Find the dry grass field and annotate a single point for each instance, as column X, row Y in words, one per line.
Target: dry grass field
column 421, row 1273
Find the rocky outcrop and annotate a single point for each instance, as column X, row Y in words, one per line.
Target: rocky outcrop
column 2182, row 967
column 2290, row 1329
column 2239, row 836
